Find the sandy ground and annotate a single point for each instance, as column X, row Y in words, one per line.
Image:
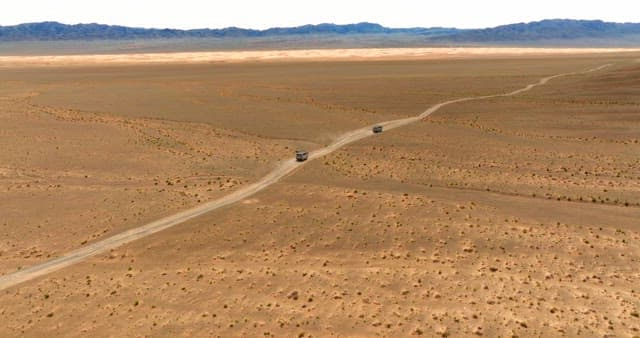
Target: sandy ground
column 300, row 55
column 514, row 216
column 91, row 176
column 285, row 168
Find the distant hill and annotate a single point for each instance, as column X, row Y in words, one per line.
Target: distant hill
column 60, row 38
column 54, row 31
column 547, row 30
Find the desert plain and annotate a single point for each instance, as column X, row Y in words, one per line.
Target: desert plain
column 508, row 216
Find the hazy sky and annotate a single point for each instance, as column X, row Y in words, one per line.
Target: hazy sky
column 280, row 13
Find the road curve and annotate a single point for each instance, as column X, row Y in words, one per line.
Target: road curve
column 283, row 169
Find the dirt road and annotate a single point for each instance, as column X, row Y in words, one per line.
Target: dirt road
column 274, row 176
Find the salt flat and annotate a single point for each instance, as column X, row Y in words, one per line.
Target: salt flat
column 298, row 55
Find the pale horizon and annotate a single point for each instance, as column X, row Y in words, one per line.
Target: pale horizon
column 315, row 24
column 195, row 14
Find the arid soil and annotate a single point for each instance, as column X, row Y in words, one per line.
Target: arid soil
column 514, row 216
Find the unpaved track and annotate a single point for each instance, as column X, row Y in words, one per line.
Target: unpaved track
column 274, row 176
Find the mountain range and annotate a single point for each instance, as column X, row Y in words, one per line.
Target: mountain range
column 546, row 30
column 50, row 31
